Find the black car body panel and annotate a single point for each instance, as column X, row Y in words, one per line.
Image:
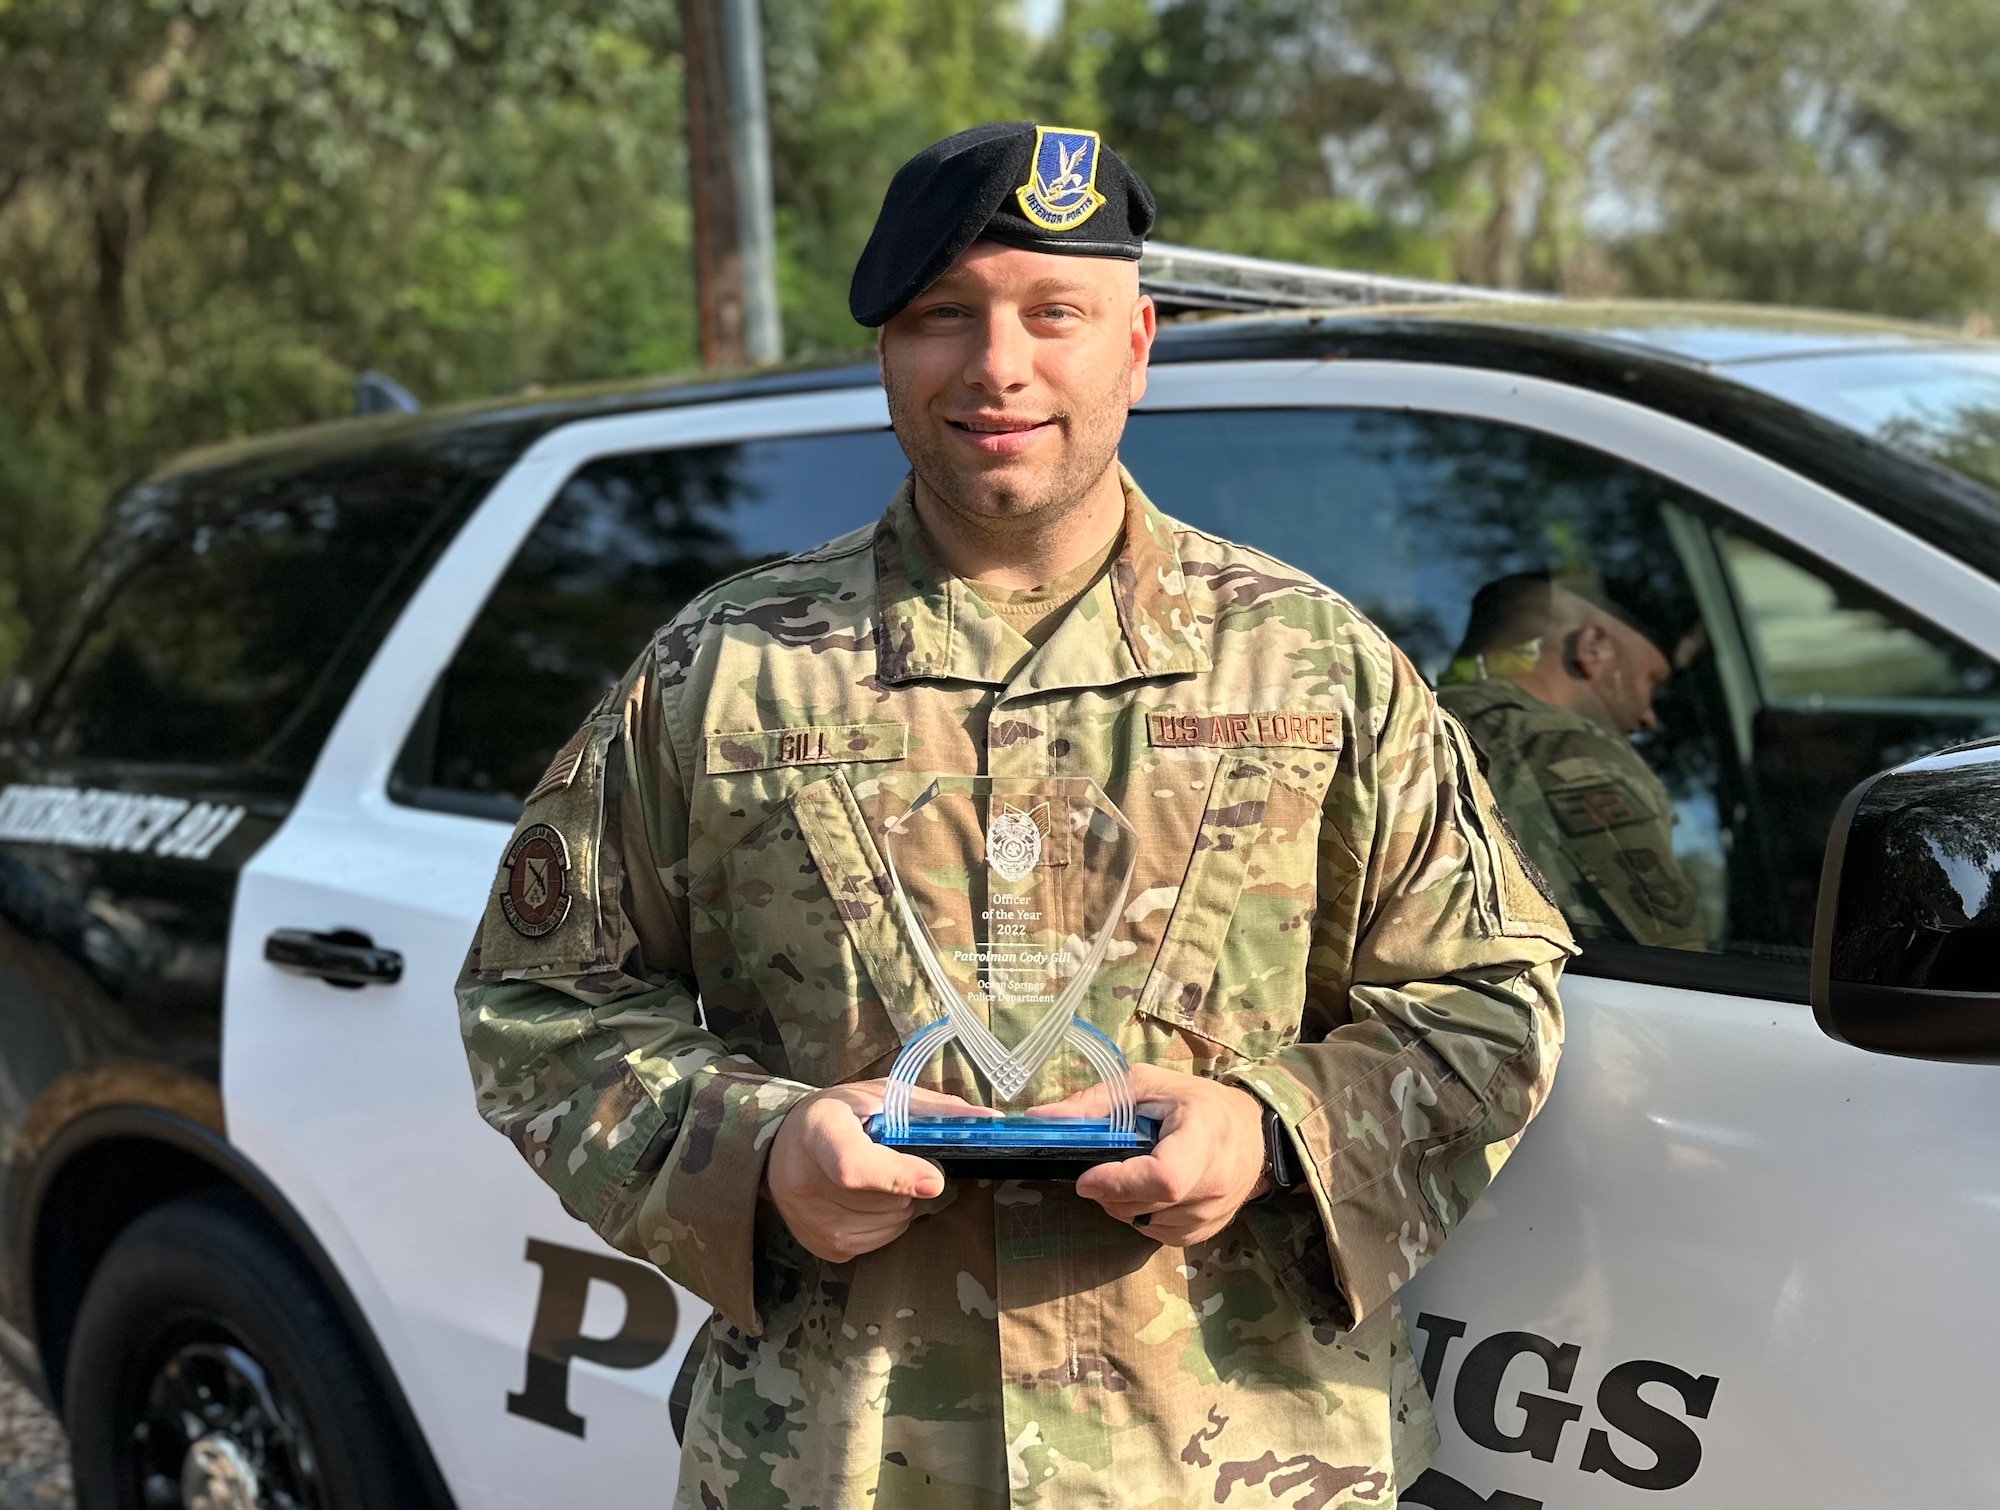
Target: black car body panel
column 118, row 860
column 1907, row 952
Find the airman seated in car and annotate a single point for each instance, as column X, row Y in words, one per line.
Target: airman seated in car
column 1552, row 681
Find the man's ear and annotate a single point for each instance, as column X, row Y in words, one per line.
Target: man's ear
column 1145, row 325
column 1591, row 652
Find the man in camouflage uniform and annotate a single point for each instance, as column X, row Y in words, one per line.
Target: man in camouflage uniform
column 1551, row 683
column 690, row 980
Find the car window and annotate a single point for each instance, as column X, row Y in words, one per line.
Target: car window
column 1787, row 681
column 1940, row 403
column 220, row 619
column 625, row 543
column 1814, row 645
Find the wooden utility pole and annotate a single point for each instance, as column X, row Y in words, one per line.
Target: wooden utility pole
column 729, row 179
column 718, row 268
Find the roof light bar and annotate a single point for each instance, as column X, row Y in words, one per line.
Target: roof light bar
column 1182, row 278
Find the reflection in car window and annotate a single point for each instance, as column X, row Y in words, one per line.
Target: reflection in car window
column 1809, row 643
column 623, row 546
column 1789, row 683
column 221, row 619
column 1942, row 404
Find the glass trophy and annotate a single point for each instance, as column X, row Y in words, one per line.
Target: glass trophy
column 1010, row 891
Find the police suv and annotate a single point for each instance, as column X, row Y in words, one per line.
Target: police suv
column 259, row 1247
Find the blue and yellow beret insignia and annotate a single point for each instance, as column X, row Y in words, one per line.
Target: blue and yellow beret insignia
column 1061, row 191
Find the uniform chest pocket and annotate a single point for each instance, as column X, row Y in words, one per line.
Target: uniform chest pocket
column 795, row 931
column 1231, row 964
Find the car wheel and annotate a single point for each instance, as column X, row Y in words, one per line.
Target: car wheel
column 209, row 1371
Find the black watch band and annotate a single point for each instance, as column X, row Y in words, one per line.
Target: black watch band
column 1280, row 1162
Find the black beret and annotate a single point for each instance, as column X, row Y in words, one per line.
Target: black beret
column 1046, row 188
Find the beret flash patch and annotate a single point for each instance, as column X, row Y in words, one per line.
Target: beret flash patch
column 537, row 896
column 1061, row 191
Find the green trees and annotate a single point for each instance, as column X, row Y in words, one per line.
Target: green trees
column 1833, row 152
column 856, row 86
column 211, row 217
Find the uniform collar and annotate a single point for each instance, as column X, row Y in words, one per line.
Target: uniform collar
column 1502, row 692
column 1136, row 622
column 1490, row 692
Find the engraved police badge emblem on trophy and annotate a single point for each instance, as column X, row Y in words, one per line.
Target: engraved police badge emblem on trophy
column 1011, row 892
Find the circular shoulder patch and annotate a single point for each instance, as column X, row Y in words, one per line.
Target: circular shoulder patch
column 537, row 896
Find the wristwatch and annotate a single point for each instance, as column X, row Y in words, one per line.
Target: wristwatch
column 1280, row 1161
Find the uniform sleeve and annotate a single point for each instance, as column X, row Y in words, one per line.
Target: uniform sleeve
column 1431, row 1026
column 1612, row 823
column 581, row 1023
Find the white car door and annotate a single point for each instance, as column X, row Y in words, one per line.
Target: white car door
column 1732, row 1256
column 1670, row 1284
column 537, row 1360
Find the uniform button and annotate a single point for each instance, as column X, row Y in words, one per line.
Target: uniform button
column 1059, row 748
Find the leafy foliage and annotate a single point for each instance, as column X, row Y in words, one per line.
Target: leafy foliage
column 212, row 217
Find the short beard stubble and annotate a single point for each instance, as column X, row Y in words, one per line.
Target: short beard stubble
column 1092, row 430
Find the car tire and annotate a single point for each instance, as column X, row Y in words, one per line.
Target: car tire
column 210, row 1371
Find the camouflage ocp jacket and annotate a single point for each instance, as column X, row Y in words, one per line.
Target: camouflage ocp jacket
column 1588, row 810
column 689, row 934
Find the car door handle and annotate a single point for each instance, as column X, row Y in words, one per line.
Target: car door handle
column 343, row 957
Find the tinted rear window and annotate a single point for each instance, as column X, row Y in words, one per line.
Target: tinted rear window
column 221, row 619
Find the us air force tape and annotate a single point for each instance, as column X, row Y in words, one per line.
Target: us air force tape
column 1045, row 188
column 537, row 896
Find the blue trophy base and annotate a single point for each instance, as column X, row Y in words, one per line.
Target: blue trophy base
column 1017, row 1148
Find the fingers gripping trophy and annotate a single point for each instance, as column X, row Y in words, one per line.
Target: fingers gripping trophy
column 1010, row 891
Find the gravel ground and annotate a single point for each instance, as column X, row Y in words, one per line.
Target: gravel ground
column 34, row 1458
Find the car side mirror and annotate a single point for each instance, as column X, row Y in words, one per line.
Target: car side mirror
column 1906, row 955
